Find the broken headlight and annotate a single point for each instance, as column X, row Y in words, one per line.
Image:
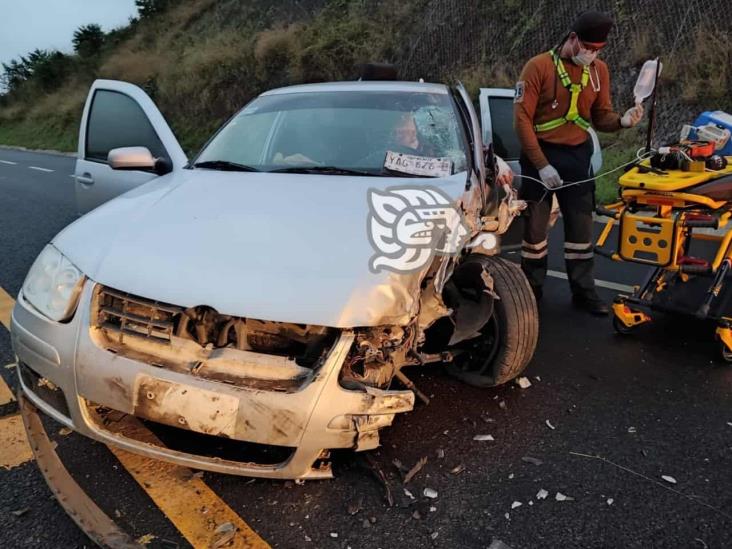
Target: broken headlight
column 53, row 285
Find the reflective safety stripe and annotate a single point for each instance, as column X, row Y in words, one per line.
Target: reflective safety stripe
column 534, row 255
column 572, row 115
column 538, row 246
column 577, row 245
column 576, row 255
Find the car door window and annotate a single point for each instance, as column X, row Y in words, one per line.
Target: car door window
column 116, row 120
column 505, row 140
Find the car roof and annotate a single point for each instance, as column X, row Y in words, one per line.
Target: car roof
column 375, row 86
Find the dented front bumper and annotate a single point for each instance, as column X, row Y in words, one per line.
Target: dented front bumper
column 69, row 376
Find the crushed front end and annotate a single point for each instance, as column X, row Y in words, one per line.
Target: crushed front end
column 278, row 396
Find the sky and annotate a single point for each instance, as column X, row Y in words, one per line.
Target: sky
column 50, row 24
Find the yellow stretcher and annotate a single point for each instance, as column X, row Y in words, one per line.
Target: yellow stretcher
column 662, row 218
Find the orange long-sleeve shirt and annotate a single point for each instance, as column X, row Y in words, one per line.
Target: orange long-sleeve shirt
column 535, row 95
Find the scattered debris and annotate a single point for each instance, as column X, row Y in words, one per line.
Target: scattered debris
column 434, row 535
column 516, row 504
column 440, row 453
column 223, row 535
column 532, row 460
column 704, row 545
column 64, row 431
column 632, row 429
column 695, row 499
column 408, row 494
column 334, row 535
column 508, row 517
column 381, row 477
column 308, row 538
column 670, row 480
column 457, row 469
column 502, row 405
column 430, row 493
column 523, row 382
column 298, row 481
column 510, row 476
column 417, row 515
column 542, row 494
column 610, row 501
column 561, row 497
column 537, row 378
column 21, row 512
column 531, row 502
column 549, row 424
column 729, row 423
column 482, row 438
column 355, row 506
column 146, row 539
column 414, row 470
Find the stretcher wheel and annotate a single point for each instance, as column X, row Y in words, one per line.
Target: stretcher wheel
column 726, row 353
column 622, row 328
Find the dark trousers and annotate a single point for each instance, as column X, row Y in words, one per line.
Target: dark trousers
column 576, row 204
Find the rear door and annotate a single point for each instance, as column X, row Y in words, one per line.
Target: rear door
column 496, row 112
column 118, row 114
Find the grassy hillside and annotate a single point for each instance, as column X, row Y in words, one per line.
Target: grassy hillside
column 201, row 60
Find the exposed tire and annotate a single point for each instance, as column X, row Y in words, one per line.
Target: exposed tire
column 509, row 339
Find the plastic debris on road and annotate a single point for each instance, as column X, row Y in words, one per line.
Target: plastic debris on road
column 408, row 494
column 610, row 501
column 516, row 504
column 482, row 438
column 334, row 535
column 549, row 424
column 457, row 469
column 430, row 493
column 561, row 497
column 542, row 494
column 670, row 480
column 498, row 544
column 632, row 430
column 414, row 470
column 523, row 382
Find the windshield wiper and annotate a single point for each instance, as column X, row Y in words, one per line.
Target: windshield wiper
column 326, row 170
column 225, row 165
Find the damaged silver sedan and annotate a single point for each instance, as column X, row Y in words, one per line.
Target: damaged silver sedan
column 270, row 292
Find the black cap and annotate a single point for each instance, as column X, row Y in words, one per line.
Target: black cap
column 593, row 26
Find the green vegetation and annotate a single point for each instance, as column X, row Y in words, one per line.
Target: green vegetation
column 202, row 60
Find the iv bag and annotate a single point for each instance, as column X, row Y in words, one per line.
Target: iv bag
column 646, row 80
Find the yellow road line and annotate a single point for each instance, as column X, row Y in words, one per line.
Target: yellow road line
column 6, row 307
column 6, row 395
column 14, row 448
column 195, row 510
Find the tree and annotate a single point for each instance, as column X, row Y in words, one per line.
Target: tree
column 15, row 73
column 88, row 40
column 147, row 8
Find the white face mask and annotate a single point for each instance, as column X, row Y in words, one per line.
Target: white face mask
column 583, row 56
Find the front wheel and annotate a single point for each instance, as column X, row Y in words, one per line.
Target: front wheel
column 508, row 340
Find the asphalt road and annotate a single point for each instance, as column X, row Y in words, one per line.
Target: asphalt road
column 659, row 403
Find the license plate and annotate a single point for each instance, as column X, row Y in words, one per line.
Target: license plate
column 418, row 165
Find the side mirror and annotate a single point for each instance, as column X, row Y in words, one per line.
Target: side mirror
column 137, row 158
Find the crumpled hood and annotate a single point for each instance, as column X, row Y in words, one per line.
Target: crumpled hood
column 281, row 247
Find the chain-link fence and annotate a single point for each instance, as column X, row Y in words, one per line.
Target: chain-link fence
column 494, row 39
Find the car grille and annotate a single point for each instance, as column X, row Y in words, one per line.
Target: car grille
column 124, row 314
